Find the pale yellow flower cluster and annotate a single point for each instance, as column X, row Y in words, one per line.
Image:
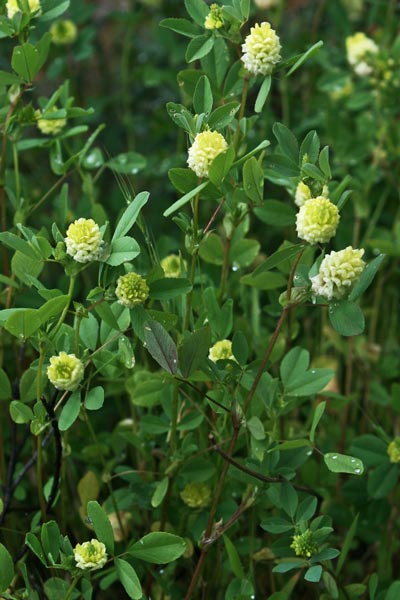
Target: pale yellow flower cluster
column 263, row 4
column 338, row 273
column 50, row 126
column 196, row 495
column 206, row 146
column 12, row 7
column 214, row 19
column 65, row 371
column 83, row 240
column 359, row 49
column 63, row 32
column 261, row 49
column 90, row 555
column 393, row 450
column 302, row 194
column 221, row 350
column 317, row 220
column 171, row 265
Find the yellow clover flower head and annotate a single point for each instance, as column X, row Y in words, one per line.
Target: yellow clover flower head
column 84, row 240
column 261, row 49
column 359, row 49
column 132, row 290
column 90, row 555
column 171, row 265
column 214, row 19
column 266, row 3
column 12, row 7
column 206, row 146
column 50, row 126
column 302, row 194
column 196, row 495
column 65, row 371
column 317, row 220
column 304, row 544
column 394, row 450
column 221, row 350
column 338, row 273
column 64, row 32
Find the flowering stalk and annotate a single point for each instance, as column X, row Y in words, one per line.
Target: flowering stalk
column 194, row 261
column 66, row 308
column 241, row 112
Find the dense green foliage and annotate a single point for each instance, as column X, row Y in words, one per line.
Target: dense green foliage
column 199, row 351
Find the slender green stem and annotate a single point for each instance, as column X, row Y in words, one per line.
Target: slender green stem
column 72, row 587
column 225, row 268
column 39, row 475
column 107, row 481
column 48, row 194
column 241, row 112
column 66, row 308
column 174, row 418
column 39, row 373
column 16, row 173
column 195, row 252
column 265, row 359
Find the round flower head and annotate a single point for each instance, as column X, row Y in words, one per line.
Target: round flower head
column 132, row 290
column 266, row 3
column 90, row 555
column 214, row 19
column 304, row 544
column 83, row 240
column 50, row 126
column 63, row 32
column 359, row 48
column 317, row 220
column 206, row 146
column 221, row 350
column 171, row 265
column 12, row 7
column 65, row 371
column 338, row 273
column 393, row 450
column 261, row 49
column 302, row 194
column 196, row 495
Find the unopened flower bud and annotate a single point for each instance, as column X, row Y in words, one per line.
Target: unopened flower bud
column 171, row 265
column 303, row 193
column 304, row 544
column 63, row 32
column 132, row 290
column 50, row 126
column 393, row 450
column 214, row 19
column 221, row 350
column 196, row 495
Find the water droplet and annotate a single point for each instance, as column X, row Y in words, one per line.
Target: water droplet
column 334, row 457
column 235, row 267
column 358, row 471
column 353, row 460
column 313, row 371
column 309, row 453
